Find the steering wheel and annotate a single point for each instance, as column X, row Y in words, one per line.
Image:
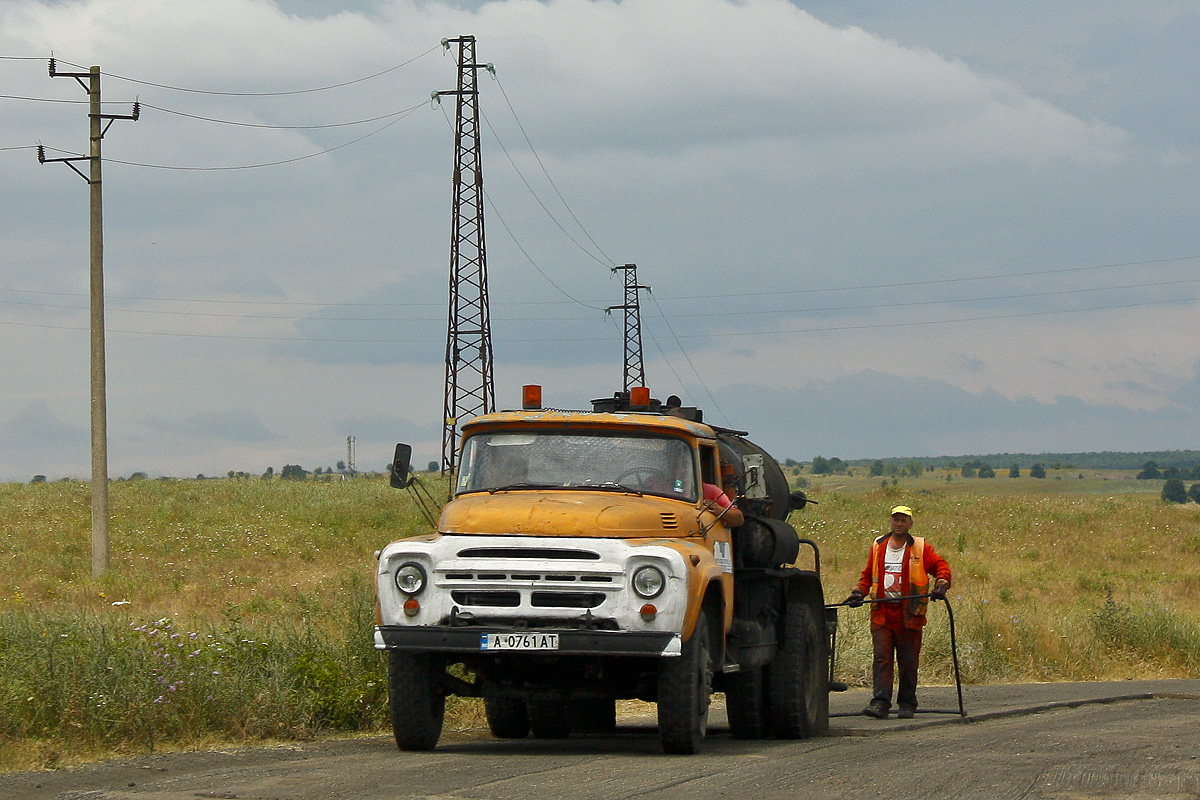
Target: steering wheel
column 645, row 477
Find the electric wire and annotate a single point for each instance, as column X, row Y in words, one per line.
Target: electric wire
column 176, row 334
column 546, row 172
column 707, row 334
column 687, row 358
column 706, row 315
column 533, row 192
column 488, row 200
column 936, row 281
column 529, row 258
column 606, row 259
column 280, row 162
column 283, row 127
column 260, row 94
column 950, row 301
column 596, row 306
column 916, row 323
column 48, row 99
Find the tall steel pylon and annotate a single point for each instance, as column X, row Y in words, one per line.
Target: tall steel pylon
column 469, row 385
column 635, row 368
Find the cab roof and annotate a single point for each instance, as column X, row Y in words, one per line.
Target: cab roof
column 557, row 418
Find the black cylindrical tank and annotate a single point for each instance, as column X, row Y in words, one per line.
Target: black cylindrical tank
column 759, row 477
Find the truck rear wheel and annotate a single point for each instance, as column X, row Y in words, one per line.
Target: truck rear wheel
column 746, row 704
column 507, row 717
column 548, row 718
column 799, row 677
column 418, row 703
column 684, row 690
column 593, row 714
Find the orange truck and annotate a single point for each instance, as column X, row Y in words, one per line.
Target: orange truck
column 578, row 563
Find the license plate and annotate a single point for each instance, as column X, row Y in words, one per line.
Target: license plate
column 518, row 641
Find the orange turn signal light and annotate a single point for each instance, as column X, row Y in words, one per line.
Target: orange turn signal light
column 531, row 396
column 411, row 607
column 648, row 612
column 639, row 398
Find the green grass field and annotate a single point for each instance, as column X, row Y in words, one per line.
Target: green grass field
column 240, row 611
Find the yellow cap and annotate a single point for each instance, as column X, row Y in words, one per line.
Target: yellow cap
column 905, row 510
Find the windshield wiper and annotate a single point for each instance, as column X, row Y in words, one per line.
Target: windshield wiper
column 608, row 486
column 525, row 485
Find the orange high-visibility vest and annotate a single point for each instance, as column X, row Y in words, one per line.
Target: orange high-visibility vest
column 913, row 578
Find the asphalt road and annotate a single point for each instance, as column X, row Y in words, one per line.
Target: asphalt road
column 1135, row 740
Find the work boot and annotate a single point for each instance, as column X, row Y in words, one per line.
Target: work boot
column 877, row 708
column 906, row 712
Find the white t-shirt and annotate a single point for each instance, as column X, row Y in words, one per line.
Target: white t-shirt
column 893, row 565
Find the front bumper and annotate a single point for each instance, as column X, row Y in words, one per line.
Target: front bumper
column 570, row 642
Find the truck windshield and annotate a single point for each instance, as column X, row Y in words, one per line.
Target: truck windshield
column 660, row 465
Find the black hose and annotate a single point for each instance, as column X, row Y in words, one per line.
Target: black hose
column 953, row 641
column 954, row 654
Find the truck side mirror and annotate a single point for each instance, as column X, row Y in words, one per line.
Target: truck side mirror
column 400, row 466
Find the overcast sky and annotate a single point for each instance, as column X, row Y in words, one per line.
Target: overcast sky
column 871, row 229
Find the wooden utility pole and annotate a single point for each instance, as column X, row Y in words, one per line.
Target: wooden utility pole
column 100, row 123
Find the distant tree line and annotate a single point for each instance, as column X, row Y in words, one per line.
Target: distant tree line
column 1152, row 472
column 1185, row 461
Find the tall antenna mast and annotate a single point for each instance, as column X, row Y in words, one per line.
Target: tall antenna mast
column 469, row 385
column 635, row 368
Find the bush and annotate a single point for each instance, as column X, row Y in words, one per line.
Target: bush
column 1194, row 492
column 1149, row 472
column 1174, row 492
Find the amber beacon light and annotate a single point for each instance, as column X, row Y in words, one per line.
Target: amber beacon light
column 531, row 396
column 639, row 398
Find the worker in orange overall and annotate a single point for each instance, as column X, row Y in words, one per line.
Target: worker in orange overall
column 900, row 565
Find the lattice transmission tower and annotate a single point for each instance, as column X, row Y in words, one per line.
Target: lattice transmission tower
column 469, row 384
column 635, row 367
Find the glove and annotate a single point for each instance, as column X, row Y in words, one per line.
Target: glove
column 854, row 600
column 939, row 591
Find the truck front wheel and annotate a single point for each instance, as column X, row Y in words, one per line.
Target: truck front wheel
column 684, row 690
column 418, row 703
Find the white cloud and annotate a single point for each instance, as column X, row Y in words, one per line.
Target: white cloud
column 747, row 147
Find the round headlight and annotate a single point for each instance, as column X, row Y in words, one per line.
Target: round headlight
column 648, row 581
column 410, row 578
